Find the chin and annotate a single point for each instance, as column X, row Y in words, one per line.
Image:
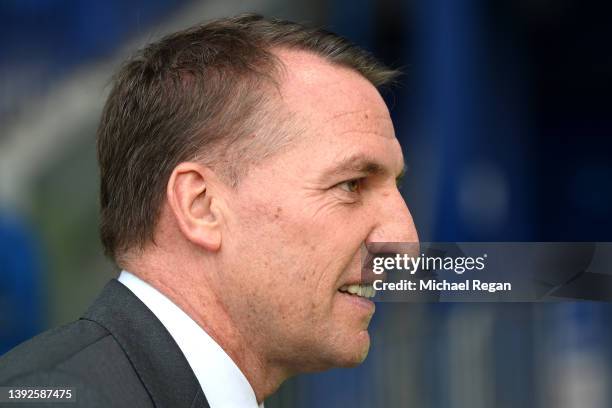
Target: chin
column 354, row 352
column 344, row 352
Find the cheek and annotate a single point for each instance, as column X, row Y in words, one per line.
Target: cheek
column 296, row 258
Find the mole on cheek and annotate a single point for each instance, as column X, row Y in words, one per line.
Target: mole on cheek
column 279, row 210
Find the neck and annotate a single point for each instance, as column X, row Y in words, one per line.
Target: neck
column 204, row 307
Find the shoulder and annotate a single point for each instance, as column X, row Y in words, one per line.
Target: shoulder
column 82, row 355
column 51, row 348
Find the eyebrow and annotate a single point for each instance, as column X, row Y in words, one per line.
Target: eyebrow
column 364, row 164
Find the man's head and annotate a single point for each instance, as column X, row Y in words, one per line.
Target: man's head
column 257, row 157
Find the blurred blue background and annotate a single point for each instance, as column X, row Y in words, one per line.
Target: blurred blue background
column 504, row 114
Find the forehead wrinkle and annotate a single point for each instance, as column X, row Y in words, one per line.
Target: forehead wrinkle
column 363, row 126
column 362, row 163
column 365, row 112
column 367, row 132
column 363, row 118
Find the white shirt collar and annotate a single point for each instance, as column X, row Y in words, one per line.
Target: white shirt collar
column 224, row 385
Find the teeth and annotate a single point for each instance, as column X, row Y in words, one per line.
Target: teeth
column 366, row 290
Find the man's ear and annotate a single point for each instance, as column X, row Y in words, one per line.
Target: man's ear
column 193, row 203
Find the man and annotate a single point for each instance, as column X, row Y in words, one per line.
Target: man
column 244, row 164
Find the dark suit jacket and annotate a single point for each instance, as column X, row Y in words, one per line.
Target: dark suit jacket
column 117, row 355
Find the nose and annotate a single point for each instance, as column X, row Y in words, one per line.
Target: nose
column 393, row 226
column 394, row 221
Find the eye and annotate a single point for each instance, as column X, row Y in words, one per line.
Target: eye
column 350, row 186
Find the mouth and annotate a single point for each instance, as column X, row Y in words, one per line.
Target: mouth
column 365, row 290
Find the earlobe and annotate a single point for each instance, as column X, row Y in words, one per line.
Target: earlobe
column 193, row 204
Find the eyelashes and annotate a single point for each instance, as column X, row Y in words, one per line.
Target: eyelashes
column 352, row 186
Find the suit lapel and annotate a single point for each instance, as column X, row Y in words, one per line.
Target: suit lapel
column 154, row 354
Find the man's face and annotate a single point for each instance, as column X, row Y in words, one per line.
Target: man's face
column 297, row 221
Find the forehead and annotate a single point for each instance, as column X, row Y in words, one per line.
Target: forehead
column 331, row 97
